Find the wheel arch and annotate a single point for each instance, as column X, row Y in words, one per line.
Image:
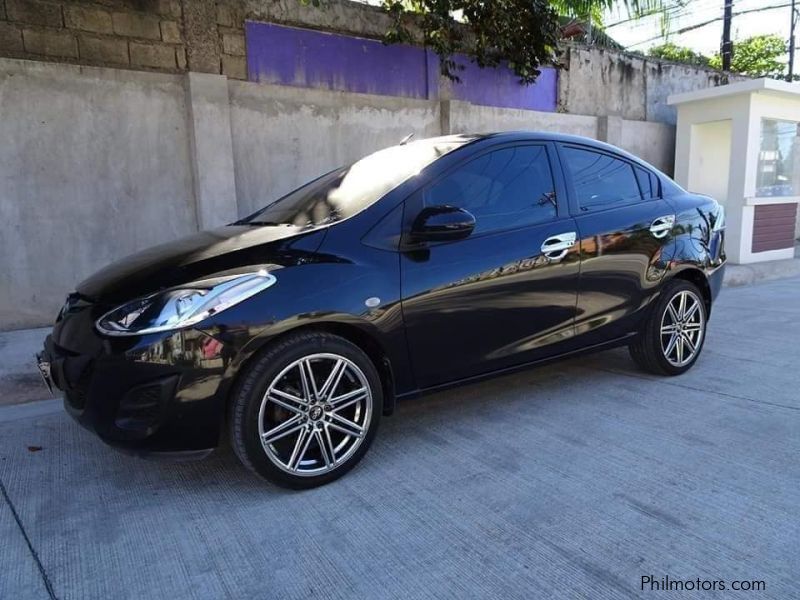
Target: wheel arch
column 696, row 277
column 354, row 334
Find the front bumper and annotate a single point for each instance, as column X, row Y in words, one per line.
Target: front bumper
column 162, row 393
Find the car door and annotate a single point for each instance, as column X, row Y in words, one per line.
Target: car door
column 504, row 295
column 624, row 230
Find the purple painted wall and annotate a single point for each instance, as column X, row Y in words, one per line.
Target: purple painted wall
column 307, row 58
column 501, row 87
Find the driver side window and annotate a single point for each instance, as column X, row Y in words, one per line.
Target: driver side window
column 503, row 189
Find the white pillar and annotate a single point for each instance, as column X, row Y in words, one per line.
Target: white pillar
column 739, row 217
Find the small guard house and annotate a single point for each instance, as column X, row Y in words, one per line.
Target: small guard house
column 740, row 143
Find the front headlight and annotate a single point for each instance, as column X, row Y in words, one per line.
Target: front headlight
column 183, row 306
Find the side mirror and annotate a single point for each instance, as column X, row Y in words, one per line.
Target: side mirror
column 442, row 223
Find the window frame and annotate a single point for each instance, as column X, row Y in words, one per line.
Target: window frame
column 415, row 202
column 574, row 204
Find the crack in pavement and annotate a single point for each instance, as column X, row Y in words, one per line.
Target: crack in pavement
column 45, row 579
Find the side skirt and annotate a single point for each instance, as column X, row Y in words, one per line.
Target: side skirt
column 616, row 342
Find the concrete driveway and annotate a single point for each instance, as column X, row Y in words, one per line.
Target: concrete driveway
column 568, row 481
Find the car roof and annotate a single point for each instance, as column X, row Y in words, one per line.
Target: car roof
column 523, row 135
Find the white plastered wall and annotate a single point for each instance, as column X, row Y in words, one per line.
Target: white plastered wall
column 743, row 113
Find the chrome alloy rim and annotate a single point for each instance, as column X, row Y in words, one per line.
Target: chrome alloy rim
column 315, row 414
column 682, row 328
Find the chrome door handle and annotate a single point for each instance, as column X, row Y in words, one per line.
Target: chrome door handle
column 661, row 226
column 556, row 247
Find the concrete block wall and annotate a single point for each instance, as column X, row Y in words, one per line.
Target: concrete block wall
column 144, row 35
column 596, row 81
column 341, row 16
column 602, row 83
column 170, row 36
column 208, row 36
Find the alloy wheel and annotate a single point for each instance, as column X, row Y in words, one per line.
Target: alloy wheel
column 682, row 328
column 315, row 414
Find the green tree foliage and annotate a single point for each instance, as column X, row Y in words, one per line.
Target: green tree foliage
column 681, row 54
column 593, row 9
column 587, row 10
column 756, row 56
column 522, row 33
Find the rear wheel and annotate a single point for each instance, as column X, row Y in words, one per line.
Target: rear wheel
column 306, row 410
column 673, row 335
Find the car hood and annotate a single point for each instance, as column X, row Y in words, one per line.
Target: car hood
column 231, row 249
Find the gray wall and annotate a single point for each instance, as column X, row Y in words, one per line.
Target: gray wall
column 98, row 163
column 653, row 142
column 466, row 118
column 284, row 136
column 596, row 81
column 94, row 165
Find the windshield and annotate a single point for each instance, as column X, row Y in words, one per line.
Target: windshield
column 349, row 190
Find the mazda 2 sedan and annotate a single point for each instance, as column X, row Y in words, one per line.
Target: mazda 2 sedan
column 425, row 265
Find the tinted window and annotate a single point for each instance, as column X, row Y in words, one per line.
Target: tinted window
column 346, row 191
column 648, row 183
column 601, row 180
column 655, row 186
column 645, row 184
column 502, row 189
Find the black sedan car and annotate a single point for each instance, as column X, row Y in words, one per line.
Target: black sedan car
column 425, row 265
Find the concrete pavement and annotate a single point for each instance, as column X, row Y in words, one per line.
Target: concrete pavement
column 19, row 379
column 763, row 271
column 568, row 481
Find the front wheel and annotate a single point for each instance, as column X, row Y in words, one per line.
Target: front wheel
column 673, row 335
column 306, row 410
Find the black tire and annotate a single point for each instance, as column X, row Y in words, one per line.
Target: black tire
column 648, row 348
column 247, row 420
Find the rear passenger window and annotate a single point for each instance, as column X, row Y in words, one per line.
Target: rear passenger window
column 503, row 189
column 648, row 183
column 600, row 180
column 645, row 183
column 655, row 185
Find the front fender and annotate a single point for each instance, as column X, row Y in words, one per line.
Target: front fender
column 359, row 300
